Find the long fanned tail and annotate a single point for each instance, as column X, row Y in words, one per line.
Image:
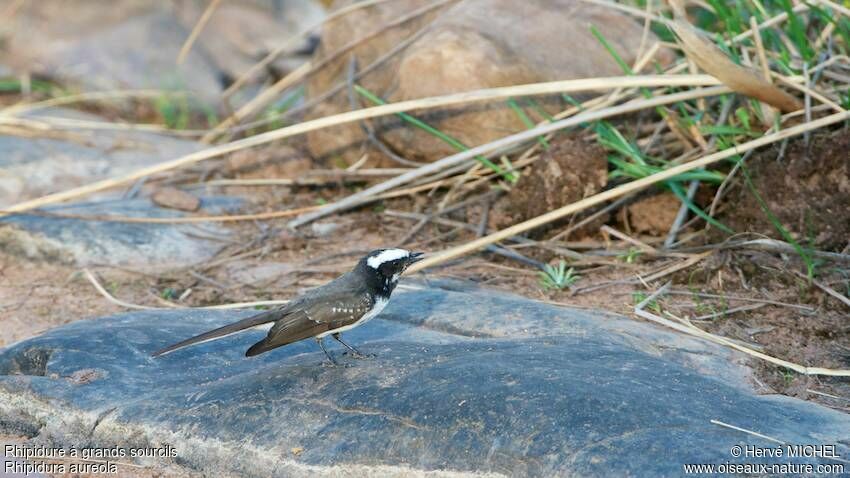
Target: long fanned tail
column 259, row 319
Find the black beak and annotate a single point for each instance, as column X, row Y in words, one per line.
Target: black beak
column 415, row 257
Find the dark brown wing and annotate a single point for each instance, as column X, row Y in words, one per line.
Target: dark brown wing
column 315, row 315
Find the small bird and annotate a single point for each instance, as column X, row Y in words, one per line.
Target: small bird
column 350, row 300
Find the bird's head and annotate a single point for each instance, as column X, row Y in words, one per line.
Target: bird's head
column 388, row 264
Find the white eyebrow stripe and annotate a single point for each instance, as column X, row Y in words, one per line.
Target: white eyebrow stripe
column 387, row 256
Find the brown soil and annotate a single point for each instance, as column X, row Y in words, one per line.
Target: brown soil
column 39, row 296
column 653, row 215
column 570, row 170
column 808, row 189
column 818, row 337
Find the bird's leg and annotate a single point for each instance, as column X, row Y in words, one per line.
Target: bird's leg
column 330, row 357
column 356, row 353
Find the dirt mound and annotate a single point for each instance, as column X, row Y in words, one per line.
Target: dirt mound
column 807, row 189
column 569, row 171
column 654, row 215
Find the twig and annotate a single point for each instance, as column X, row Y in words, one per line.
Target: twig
column 745, row 299
column 495, row 249
column 824, row 394
column 109, row 296
column 340, row 86
column 681, row 216
column 236, row 305
column 631, row 240
column 365, row 125
column 676, row 267
column 614, row 205
column 724, row 313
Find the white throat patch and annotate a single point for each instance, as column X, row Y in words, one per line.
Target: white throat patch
column 387, row 256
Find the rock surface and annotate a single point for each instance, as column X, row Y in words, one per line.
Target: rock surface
column 466, row 382
column 89, row 242
column 241, row 32
column 468, row 45
column 134, row 44
column 33, row 167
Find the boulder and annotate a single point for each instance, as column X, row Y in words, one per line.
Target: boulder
column 241, row 32
column 468, row 45
column 134, row 44
column 466, row 382
column 79, row 241
column 131, row 45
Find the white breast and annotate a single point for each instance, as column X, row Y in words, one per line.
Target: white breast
column 380, row 303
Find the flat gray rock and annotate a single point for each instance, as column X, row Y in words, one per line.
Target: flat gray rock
column 466, row 382
column 93, row 242
column 32, row 167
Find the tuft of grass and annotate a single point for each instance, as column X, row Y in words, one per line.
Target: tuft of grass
column 631, row 256
column 557, row 277
column 174, row 110
column 787, row 376
column 640, row 167
column 453, row 142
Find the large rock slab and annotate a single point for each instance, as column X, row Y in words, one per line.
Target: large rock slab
column 465, row 382
column 466, row 45
column 81, row 241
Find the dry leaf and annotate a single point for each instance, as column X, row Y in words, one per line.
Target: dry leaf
column 176, row 199
column 740, row 79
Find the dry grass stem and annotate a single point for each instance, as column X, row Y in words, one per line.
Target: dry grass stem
column 389, row 109
column 740, row 79
column 685, row 326
column 199, row 27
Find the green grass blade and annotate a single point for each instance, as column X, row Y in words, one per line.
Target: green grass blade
column 527, row 121
column 435, row 132
column 683, row 196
